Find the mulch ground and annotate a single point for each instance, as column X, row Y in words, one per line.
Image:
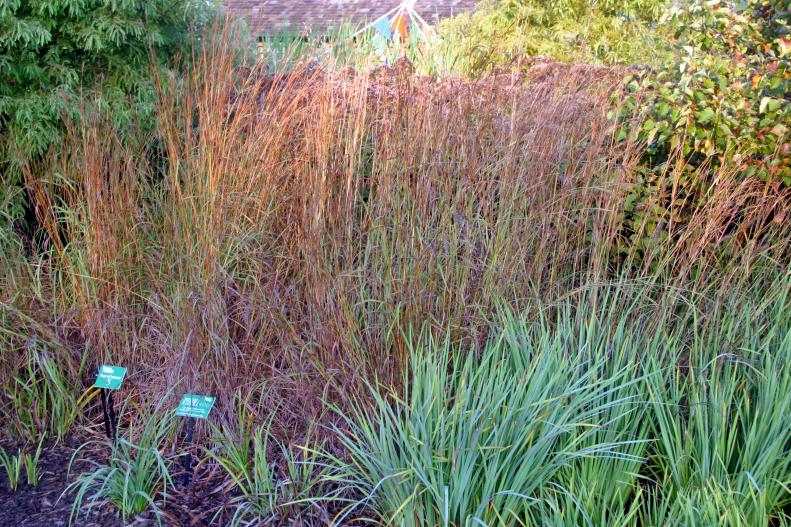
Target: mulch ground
column 196, row 504
column 202, row 502
column 40, row 505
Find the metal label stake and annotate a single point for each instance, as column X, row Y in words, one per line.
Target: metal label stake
column 109, row 378
column 105, row 414
column 188, row 457
column 192, row 407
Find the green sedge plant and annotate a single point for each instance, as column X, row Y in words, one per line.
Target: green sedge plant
column 600, row 490
column 31, row 464
column 303, row 473
column 630, row 403
column 136, row 476
column 245, row 452
column 12, row 464
column 476, row 440
column 720, row 420
column 244, row 456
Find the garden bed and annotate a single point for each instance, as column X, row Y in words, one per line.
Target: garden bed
column 44, row 505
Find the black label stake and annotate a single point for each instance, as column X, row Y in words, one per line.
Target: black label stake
column 188, row 457
column 113, row 421
column 108, row 415
column 109, row 378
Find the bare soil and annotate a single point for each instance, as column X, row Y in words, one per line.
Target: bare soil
column 204, row 501
column 200, row 503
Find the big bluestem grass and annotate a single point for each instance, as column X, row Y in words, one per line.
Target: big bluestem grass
column 274, row 212
column 307, row 216
column 292, row 225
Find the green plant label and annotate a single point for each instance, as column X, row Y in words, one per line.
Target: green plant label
column 110, row 377
column 195, row 406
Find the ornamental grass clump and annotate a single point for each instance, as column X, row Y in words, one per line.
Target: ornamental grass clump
column 269, row 481
column 134, row 479
column 626, row 403
column 297, row 221
column 722, row 445
column 479, row 439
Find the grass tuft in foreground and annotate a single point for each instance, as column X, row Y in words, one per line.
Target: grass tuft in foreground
column 136, row 476
column 614, row 406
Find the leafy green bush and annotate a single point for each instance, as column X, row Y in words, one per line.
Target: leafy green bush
column 717, row 108
column 51, row 52
column 504, row 31
column 722, row 96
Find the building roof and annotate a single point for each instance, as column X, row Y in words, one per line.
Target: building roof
column 269, row 15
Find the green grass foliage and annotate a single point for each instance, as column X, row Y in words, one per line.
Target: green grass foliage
column 136, row 476
column 271, row 481
column 616, row 406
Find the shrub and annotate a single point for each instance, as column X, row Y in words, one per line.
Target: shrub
column 505, row 31
column 53, row 51
column 722, row 97
column 719, row 103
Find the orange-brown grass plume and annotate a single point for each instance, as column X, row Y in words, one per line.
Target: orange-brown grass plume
column 290, row 226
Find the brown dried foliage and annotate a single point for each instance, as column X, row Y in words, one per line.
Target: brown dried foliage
column 291, row 227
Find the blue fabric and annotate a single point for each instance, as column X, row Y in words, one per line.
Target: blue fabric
column 383, row 26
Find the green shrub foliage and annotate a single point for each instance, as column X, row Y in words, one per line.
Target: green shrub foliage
column 53, row 51
column 503, row 31
column 722, row 97
column 719, row 103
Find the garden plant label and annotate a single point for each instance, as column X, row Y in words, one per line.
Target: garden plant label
column 110, row 377
column 195, row 406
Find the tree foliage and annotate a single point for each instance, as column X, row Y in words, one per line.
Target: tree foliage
column 723, row 95
column 603, row 32
column 54, row 51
